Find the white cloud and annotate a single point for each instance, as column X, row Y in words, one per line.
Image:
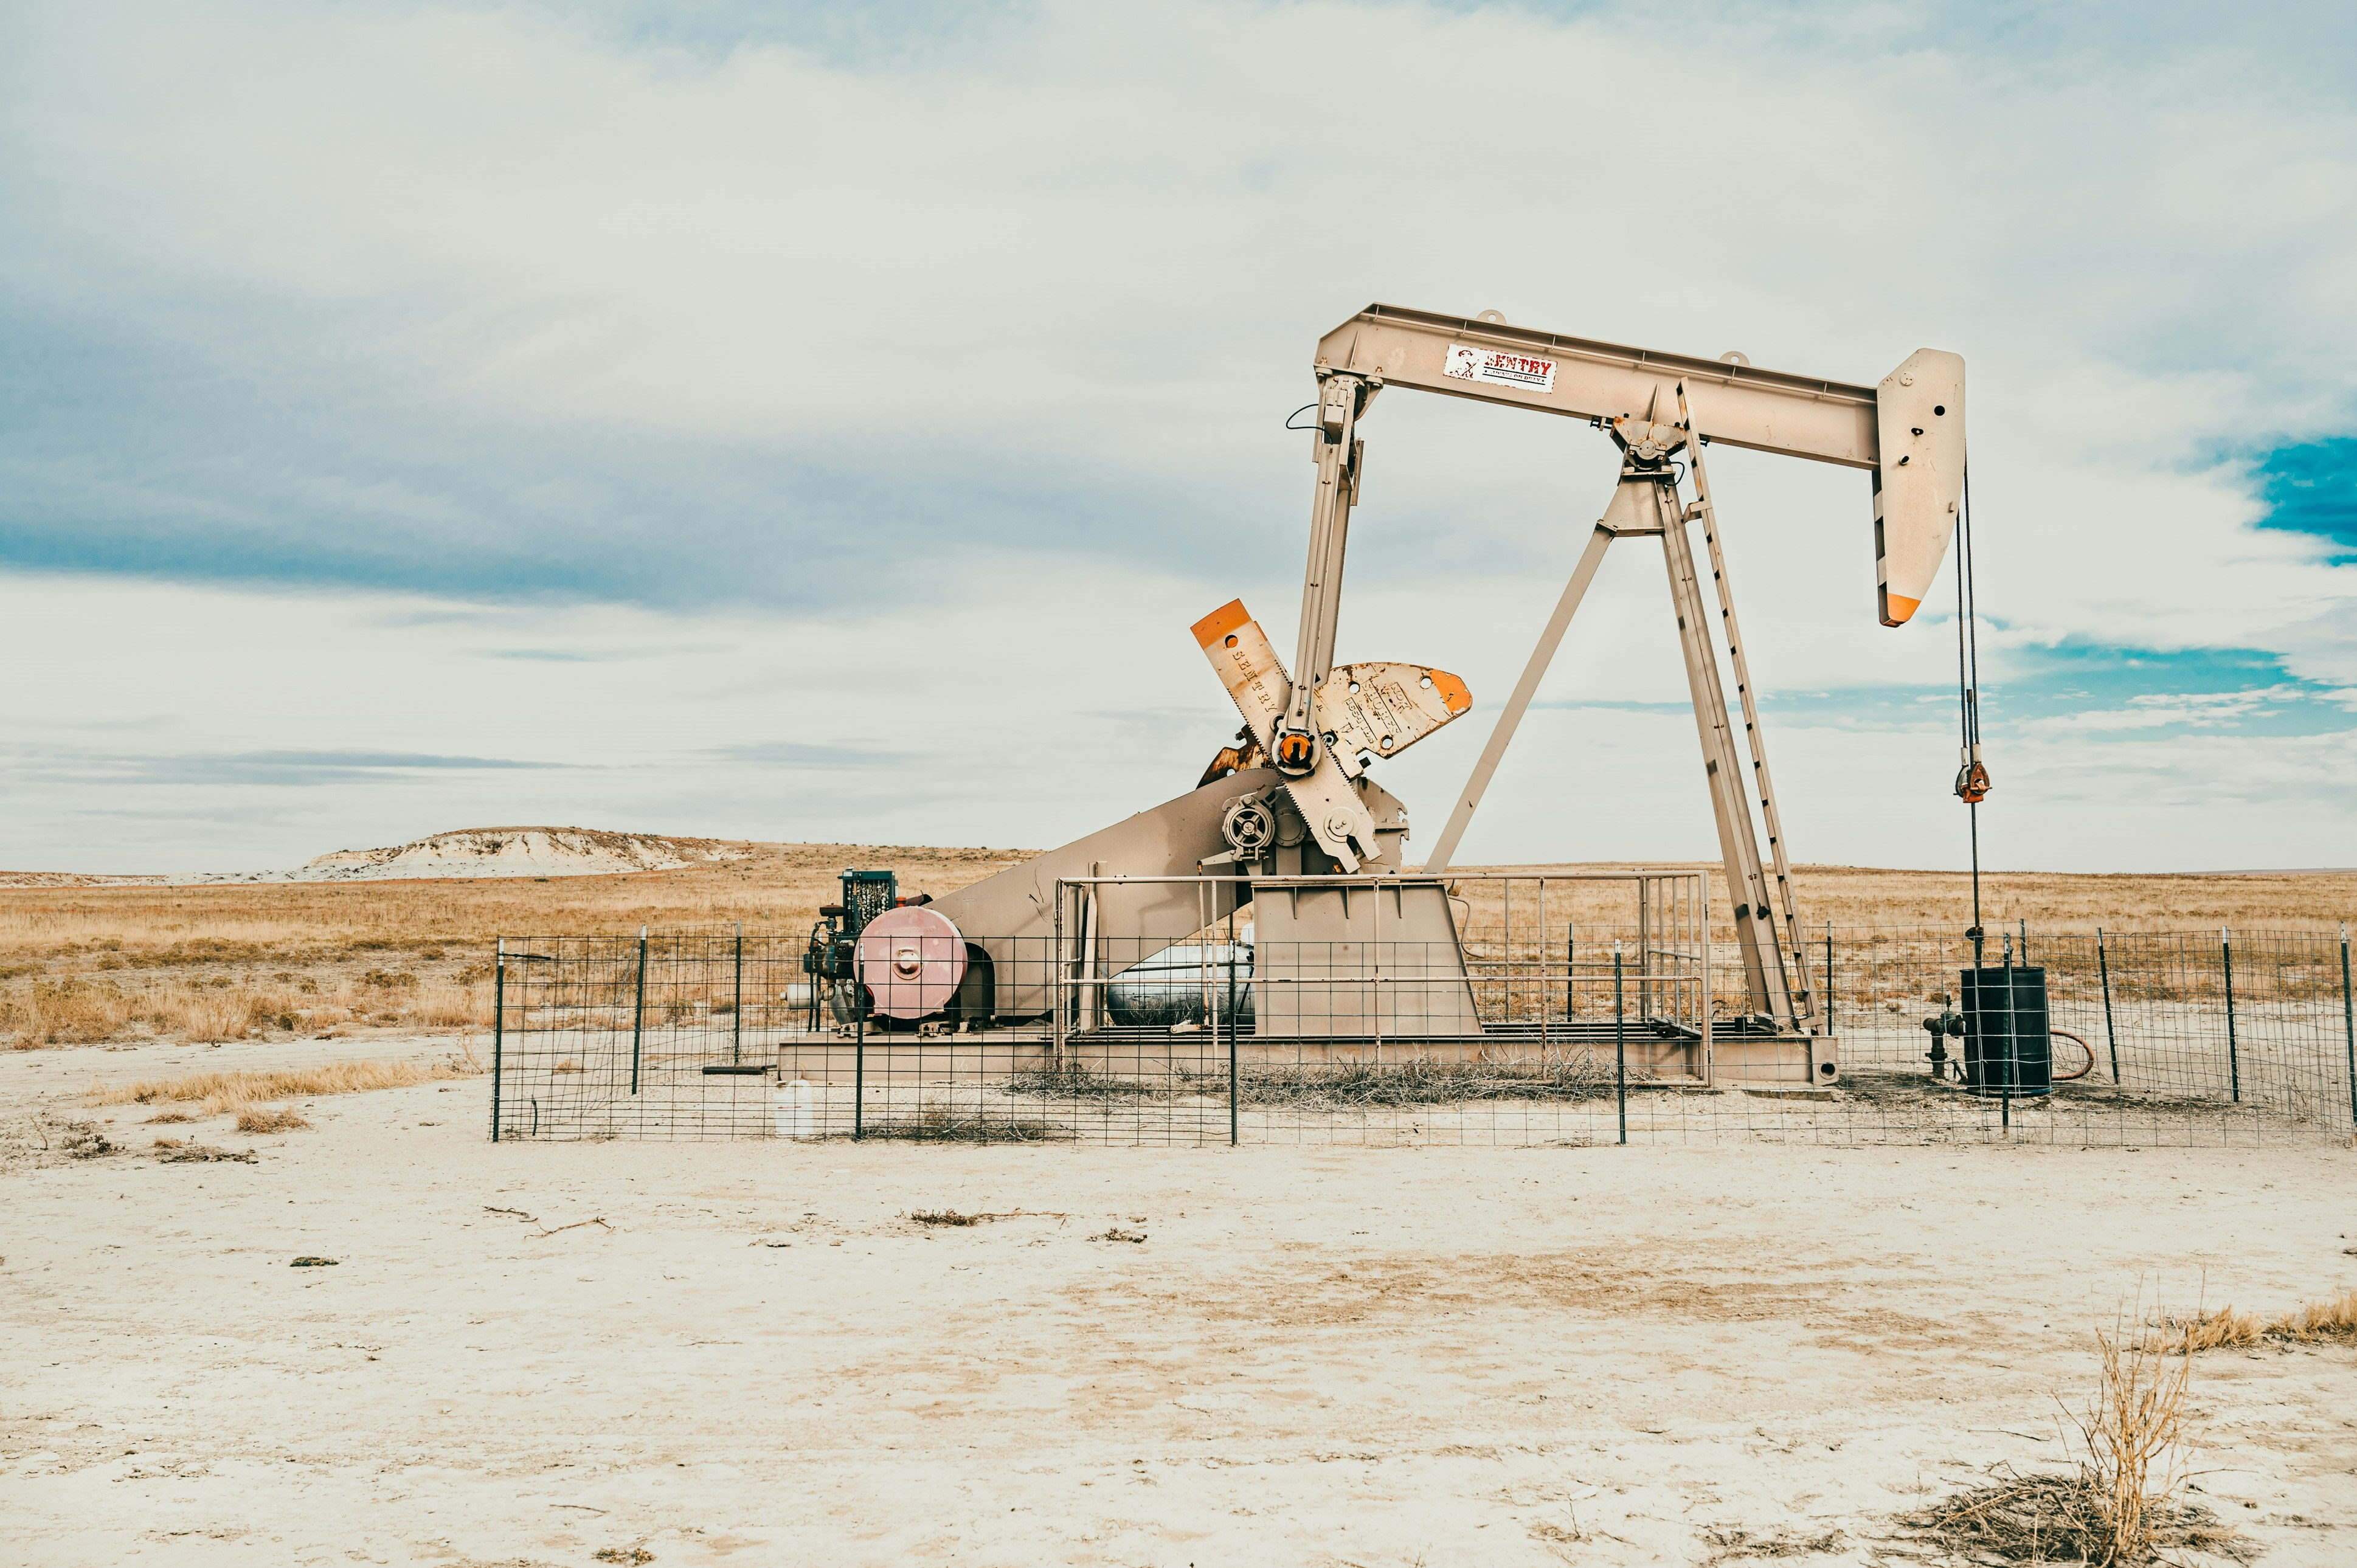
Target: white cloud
column 144, row 708
column 1098, row 244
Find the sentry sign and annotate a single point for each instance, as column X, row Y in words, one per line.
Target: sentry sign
column 1498, row 367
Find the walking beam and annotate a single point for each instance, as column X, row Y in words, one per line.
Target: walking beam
column 1908, row 430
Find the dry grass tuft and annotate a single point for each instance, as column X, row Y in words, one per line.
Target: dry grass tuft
column 63, row 1012
column 186, row 1150
column 940, row 1124
column 227, row 1093
column 1079, row 1083
column 1409, row 1083
column 166, row 1117
column 2121, row 1505
column 84, row 1141
column 2134, row 1435
column 2335, row 1318
column 2058, row 1519
column 1417, row 1082
column 1729, row 1544
column 260, row 1121
column 944, row 1217
column 45, row 1138
column 2225, row 1329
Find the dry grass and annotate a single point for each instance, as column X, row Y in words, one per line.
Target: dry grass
column 188, row 1151
column 83, row 1011
column 776, row 887
column 2334, row 1317
column 1417, row 1082
column 939, row 1123
column 1079, row 1083
column 79, row 1139
column 2121, row 1505
column 1413, row 1081
column 2223, row 1329
column 236, row 1093
column 2058, row 1519
column 233, row 961
column 1730, row 1543
column 2134, row 1433
column 280, row 1121
column 1854, row 896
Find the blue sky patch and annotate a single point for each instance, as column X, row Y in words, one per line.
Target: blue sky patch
column 2312, row 488
column 2118, row 692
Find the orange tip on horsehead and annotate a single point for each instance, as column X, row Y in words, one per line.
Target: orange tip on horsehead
column 1220, row 622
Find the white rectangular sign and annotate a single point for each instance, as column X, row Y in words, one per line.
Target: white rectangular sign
column 1498, row 367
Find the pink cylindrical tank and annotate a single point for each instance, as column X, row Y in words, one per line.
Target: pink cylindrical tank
column 911, row 959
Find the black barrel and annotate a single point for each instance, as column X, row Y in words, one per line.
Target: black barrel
column 2007, row 1045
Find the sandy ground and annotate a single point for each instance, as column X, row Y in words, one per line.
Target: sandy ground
column 1315, row 1356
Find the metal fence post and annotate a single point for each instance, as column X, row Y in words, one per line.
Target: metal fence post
column 2349, row 1025
column 1056, row 985
column 499, row 1023
column 859, row 1060
column 1232, row 1096
column 638, row 1012
column 1829, row 977
column 2233, row 1055
column 1619, row 1045
column 2103, row 971
column 736, row 1011
column 1570, row 969
column 1703, row 1013
column 2012, row 1048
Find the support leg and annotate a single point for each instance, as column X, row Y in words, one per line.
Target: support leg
column 1509, row 718
column 1763, row 961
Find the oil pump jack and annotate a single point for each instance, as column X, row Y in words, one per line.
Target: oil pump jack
column 1296, row 798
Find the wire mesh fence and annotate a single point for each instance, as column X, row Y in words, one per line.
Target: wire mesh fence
column 1547, row 1027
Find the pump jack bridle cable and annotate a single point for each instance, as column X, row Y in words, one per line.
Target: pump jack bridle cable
column 1972, row 777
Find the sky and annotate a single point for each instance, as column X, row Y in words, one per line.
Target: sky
column 824, row 423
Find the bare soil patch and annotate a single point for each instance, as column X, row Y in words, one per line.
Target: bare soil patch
column 734, row 1353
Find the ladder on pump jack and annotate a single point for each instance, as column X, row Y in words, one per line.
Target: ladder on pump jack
column 1787, row 906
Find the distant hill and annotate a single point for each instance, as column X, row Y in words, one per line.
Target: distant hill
column 512, row 852
column 464, row 852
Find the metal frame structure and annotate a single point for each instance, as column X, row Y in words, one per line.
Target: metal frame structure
column 1647, row 504
column 1907, row 431
column 1294, row 803
column 1364, row 996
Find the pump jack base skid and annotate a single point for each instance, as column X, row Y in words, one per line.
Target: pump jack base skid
column 1659, row 1055
column 1764, row 1063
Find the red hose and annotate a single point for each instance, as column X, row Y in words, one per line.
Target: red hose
column 2075, row 1077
